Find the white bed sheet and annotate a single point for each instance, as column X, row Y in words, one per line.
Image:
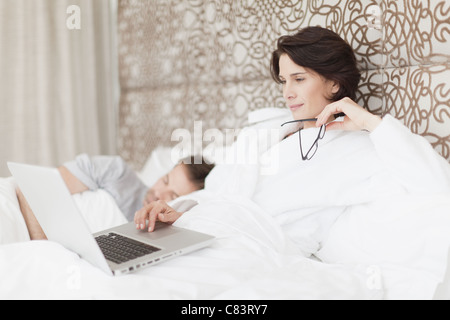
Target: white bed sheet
column 12, row 225
column 251, row 259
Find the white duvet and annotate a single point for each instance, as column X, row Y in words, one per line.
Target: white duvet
column 250, row 259
column 389, row 249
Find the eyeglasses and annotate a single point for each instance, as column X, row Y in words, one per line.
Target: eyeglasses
column 313, row 149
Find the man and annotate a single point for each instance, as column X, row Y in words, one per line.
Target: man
column 113, row 175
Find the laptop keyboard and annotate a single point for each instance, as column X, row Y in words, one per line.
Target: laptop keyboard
column 120, row 249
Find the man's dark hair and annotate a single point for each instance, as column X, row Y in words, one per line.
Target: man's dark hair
column 197, row 170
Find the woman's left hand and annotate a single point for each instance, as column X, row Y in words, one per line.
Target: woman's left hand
column 357, row 118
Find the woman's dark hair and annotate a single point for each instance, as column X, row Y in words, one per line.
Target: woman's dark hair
column 323, row 51
column 197, row 172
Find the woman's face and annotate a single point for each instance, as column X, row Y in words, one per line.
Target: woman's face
column 306, row 93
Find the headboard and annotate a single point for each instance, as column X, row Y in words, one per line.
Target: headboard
column 192, row 60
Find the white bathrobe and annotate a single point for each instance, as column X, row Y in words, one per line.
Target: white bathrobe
column 379, row 200
column 349, row 169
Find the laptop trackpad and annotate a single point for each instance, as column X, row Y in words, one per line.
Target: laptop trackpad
column 162, row 230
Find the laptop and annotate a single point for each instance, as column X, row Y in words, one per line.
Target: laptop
column 116, row 251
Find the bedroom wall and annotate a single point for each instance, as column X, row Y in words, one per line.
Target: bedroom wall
column 185, row 61
column 416, row 67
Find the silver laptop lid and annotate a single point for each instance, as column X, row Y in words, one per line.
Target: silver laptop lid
column 53, row 206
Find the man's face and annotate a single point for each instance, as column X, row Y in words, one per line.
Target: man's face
column 171, row 186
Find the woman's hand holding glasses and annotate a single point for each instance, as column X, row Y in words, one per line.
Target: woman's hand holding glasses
column 357, row 118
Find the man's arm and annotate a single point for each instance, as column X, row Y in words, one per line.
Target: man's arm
column 73, row 184
column 34, row 228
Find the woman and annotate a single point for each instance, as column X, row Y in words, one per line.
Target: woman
column 330, row 165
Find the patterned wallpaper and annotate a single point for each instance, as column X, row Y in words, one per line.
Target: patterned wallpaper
column 187, row 60
column 416, row 56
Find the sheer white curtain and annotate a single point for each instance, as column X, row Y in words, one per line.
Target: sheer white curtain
column 58, row 89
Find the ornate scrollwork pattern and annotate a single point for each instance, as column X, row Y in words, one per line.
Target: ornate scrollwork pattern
column 416, row 53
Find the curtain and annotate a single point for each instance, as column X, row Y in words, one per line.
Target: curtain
column 58, row 88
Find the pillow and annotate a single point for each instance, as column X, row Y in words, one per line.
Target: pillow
column 158, row 164
column 269, row 117
column 12, row 225
column 99, row 210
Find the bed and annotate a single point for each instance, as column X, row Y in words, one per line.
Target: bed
column 388, row 252
column 391, row 252
column 250, row 259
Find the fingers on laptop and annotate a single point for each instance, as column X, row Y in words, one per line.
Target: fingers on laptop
column 157, row 210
